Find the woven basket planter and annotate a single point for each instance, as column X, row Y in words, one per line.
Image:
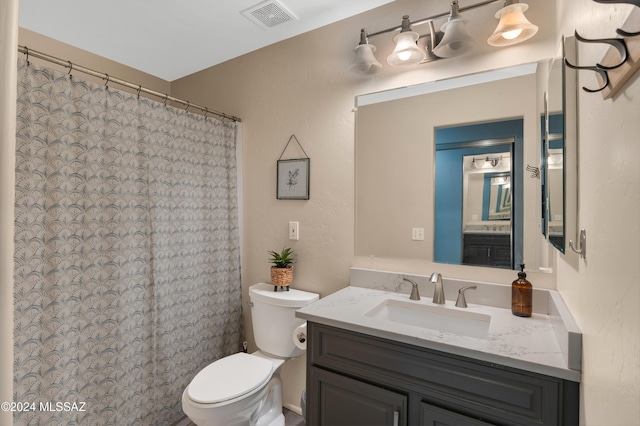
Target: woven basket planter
column 282, row 276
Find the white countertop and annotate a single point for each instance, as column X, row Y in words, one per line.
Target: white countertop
column 529, row 344
column 486, row 231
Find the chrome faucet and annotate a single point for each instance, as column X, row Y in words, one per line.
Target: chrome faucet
column 438, row 291
column 415, row 295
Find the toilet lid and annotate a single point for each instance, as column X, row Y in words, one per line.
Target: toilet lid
column 229, row 377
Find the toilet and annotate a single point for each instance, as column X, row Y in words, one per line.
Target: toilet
column 245, row 389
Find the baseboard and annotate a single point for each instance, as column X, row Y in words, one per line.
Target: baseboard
column 296, row 409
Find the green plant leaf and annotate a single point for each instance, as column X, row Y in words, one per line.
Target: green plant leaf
column 282, row 259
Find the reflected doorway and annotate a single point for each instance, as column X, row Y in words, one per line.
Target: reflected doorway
column 478, row 215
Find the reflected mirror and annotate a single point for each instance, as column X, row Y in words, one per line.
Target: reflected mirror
column 399, row 208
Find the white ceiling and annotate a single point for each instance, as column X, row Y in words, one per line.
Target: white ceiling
column 171, row 39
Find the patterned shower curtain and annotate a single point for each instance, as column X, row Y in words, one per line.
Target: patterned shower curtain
column 127, row 263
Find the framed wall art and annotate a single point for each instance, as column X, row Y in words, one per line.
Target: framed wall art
column 293, row 179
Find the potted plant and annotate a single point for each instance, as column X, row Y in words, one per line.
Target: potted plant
column 282, row 269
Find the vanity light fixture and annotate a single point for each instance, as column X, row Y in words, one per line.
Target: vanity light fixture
column 513, row 27
column 406, row 51
column 456, row 40
column 365, row 61
column 501, row 180
column 486, row 163
column 555, row 160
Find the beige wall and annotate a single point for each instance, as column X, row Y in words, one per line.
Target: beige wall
column 8, row 54
column 603, row 292
column 301, row 86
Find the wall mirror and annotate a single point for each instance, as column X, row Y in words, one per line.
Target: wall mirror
column 398, row 207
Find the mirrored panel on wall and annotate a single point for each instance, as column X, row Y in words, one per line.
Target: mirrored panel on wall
column 553, row 156
column 399, row 206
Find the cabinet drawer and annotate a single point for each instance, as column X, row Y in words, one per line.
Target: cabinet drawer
column 500, row 394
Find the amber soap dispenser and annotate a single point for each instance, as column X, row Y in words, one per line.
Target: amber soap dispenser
column 521, row 295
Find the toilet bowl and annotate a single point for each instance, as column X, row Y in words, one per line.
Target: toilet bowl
column 245, row 389
column 241, row 389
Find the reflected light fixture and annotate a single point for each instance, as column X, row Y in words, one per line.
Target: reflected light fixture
column 487, row 163
column 406, row 51
column 513, row 27
column 501, row 180
column 365, row 61
column 555, row 160
column 456, row 40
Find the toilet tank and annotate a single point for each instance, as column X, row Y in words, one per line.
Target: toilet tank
column 273, row 318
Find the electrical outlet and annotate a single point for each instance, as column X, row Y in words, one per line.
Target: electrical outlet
column 294, row 231
column 417, row 234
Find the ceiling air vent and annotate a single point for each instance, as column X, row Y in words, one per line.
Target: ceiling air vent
column 268, row 14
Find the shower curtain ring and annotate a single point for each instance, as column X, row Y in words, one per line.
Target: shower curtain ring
column 26, row 52
column 187, row 108
column 206, row 111
column 166, row 97
column 70, row 69
column 139, row 89
column 106, row 84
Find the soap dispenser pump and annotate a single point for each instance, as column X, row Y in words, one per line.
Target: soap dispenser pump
column 521, row 295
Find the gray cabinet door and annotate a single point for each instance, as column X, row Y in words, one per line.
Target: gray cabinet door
column 434, row 416
column 342, row 401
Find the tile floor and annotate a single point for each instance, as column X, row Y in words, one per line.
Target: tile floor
column 292, row 419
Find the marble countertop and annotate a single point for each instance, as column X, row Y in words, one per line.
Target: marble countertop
column 487, row 231
column 529, row 344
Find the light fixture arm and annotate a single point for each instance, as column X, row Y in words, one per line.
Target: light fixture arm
column 432, row 33
column 455, row 11
column 363, row 37
column 437, row 16
column 406, row 24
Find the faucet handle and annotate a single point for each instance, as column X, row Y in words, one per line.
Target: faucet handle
column 461, row 301
column 415, row 295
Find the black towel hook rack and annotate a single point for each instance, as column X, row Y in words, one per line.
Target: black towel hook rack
column 633, row 2
column 621, row 60
column 618, row 43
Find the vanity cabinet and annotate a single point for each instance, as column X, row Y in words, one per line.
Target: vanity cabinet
column 487, row 250
column 356, row 379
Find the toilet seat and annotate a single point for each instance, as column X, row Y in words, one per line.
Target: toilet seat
column 229, row 378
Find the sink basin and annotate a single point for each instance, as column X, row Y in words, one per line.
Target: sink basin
column 439, row 318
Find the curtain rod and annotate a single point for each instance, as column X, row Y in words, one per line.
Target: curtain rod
column 73, row 67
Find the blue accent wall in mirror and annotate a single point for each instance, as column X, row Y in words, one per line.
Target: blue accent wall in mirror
column 478, row 239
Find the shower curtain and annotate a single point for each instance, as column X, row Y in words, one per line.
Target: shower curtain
column 127, row 263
